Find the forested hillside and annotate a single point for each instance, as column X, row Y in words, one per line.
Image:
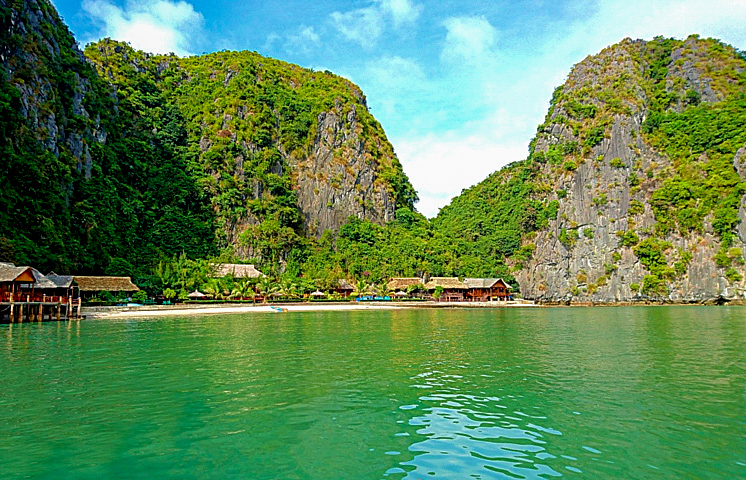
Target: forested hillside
column 123, row 158
column 633, row 188
column 117, row 160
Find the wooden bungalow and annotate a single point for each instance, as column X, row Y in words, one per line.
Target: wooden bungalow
column 344, row 288
column 26, row 290
column 92, row 286
column 487, row 289
column 453, row 289
column 236, row 270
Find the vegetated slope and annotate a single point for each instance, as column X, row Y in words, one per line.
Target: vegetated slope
column 160, row 155
column 83, row 187
column 280, row 150
column 633, row 187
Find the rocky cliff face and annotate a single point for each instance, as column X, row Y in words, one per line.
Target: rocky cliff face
column 276, row 142
column 339, row 179
column 36, row 49
column 121, row 157
column 619, row 234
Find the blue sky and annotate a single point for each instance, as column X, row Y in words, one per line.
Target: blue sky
column 459, row 86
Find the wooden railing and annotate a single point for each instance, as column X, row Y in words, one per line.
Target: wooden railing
column 36, row 297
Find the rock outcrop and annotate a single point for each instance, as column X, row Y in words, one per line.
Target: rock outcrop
column 605, row 186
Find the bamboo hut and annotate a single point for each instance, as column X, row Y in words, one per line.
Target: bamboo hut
column 344, row 288
column 236, row 270
column 91, row 286
column 403, row 283
column 453, row 288
column 487, row 289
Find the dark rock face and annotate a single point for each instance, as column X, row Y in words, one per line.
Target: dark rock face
column 48, row 108
column 339, row 180
column 599, row 194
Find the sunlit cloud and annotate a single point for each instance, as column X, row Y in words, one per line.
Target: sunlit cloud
column 366, row 25
column 469, row 39
column 402, row 11
column 157, row 26
column 362, row 26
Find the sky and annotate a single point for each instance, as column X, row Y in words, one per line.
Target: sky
column 458, row 86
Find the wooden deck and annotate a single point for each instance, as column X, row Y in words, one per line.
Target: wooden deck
column 46, row 308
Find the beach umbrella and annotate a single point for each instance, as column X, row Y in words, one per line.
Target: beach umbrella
column 317, row 293
column 401, row 294
column 196, row 294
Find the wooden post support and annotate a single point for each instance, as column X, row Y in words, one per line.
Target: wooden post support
column 59, row 307
column 21, row 311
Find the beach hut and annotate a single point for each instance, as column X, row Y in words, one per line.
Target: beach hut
column 91, row 286
column 487, row 289
column 344, row 288
column 453, row 288
column 402, row 283
column 236, row 270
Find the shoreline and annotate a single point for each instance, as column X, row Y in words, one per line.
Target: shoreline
column 228, row 308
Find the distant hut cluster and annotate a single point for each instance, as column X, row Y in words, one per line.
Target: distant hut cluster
column 451, row 289
column 27, row 294
column 236, row 270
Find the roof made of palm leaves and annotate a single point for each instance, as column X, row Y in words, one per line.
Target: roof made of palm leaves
column 236, row 270
column 108, row 284
column 451, row 283
column 345, row 285
column 10, row 273
column 61, row 281
column 403, row 282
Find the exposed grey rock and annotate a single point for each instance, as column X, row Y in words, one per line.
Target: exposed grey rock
column 598, row 201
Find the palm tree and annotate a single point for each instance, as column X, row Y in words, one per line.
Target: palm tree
column 242, row 290
column 384, row 290
column 214, row 287
column 266, row 287
column 287, row 288
column 361, row 288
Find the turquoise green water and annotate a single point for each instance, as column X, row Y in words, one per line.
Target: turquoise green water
column 538, row 393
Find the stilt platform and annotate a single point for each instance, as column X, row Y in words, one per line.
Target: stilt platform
column 18, row 312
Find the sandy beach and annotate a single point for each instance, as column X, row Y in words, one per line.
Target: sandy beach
column 224, row 309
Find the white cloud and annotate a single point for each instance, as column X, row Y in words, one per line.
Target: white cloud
column 157, row 26
column 469, row 39
column 366, row 25
column 402, row 11
column 303, row 41
column 440, row 166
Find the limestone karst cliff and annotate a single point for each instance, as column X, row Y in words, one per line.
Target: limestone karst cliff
column 150, row 155
column 634, row 179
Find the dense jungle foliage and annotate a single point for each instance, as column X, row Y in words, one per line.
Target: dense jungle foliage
column 72, row 203
column 151, row 162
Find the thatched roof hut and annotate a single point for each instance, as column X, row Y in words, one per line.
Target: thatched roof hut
column 108, row 284
column 484, row 282
column 447, row 283
column 236, row 270
column 345, row 285
column 403, row 283
column 10, row 273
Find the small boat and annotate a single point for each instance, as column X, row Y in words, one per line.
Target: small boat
column 278, row 309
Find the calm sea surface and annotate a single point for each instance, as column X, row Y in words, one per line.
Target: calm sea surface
column 654, row 392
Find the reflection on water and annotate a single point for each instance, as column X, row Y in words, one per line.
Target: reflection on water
column 599, row 393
